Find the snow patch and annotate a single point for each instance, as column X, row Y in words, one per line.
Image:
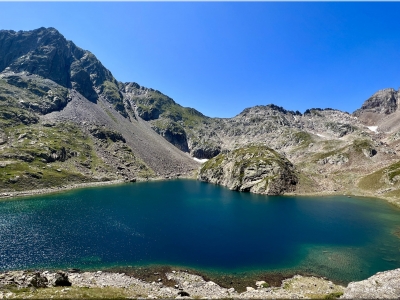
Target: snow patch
column 203, row 160
column 373, row 128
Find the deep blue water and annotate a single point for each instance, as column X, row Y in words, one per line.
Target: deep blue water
column 202, row 226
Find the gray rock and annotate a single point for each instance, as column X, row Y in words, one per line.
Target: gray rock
column 383, row 285
column 257, row 169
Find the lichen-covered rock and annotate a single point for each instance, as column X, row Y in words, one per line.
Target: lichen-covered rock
column 257, row 169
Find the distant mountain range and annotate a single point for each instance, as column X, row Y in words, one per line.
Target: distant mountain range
column 65, row 119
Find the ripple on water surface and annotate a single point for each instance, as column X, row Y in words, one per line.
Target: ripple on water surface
column 201, row 226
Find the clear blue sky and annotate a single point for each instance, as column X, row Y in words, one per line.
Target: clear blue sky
column 221, row 57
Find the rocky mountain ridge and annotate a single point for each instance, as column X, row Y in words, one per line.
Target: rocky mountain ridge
column 128, row 131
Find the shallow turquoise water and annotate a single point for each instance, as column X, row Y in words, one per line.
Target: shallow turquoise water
column 202, row 226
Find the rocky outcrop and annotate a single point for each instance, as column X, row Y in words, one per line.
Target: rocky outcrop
column 383, row 285
column 257, row 169
column 383, row 102
column 205, row 151
column 174, row 133
column 104, row 134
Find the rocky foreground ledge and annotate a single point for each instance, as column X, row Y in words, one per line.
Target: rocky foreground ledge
column 75, row 284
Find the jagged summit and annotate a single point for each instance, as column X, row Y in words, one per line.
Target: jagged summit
column 384, row 101
column 45, row 52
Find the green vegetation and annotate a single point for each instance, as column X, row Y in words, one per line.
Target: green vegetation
column 40, row 156
column 169, row 126
column 257, row 155
column 361, row 144
column 13, row 116
column 334, row 295
column 382, row 178
column 35, row 94
column 319, row 156
column 155, row 104
column 393, row 171
column 302, row 138
column 70, row 293
column 372, row 182
column 213, row 163
column 110, row 91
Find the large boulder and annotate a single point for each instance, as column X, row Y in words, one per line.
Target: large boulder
column 257, row 169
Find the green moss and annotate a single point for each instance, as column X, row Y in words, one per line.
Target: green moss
column 170, row 126
column 377, row 180
column 361, row 144
column 165, row 107
column 110, row 91
column 14, row 116
column 319, row 156
column 73, row 293
column 213, row 163
column 393, row 171
column 245, row 157
column 302, row 138
column 372, row 181
column 394, row 193
column 45, row 156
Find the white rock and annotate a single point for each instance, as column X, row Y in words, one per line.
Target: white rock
column 260, row 283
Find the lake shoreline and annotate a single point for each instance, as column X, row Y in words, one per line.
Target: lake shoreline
column 169, row 282
column 174, row 284
column 64, row 188
column 54, row 190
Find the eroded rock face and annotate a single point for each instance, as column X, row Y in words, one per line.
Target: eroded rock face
column 173, row 133
column 384, row 102
column 257, row 169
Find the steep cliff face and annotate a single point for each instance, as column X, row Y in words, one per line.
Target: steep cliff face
column 382, row 102
column 257, row 169
column 381, row 110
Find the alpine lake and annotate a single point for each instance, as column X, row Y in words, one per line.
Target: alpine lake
column 193, row 225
